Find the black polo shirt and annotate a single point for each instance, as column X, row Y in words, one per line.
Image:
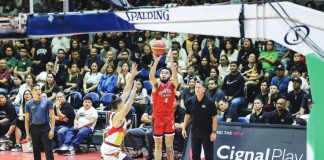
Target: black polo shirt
column 261, row 118
column 68, row 111
column 285, row 118
column 201, row 113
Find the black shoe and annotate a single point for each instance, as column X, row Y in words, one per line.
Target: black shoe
column 138, row 156
column 150, row 157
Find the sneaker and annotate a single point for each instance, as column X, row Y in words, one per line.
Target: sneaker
column 69, row 153
column 4, row 147
column 138, row 155
column 4, row 139
column 17, row 148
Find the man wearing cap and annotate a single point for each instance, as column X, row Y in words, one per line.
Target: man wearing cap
column 7, row 116
column 137, row 49
column 201, row 113
column 296, row 72
column 295, row 97
column 281, row 80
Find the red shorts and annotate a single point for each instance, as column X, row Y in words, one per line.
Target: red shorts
column 163, row 124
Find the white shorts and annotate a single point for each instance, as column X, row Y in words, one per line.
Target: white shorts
column 107, row 152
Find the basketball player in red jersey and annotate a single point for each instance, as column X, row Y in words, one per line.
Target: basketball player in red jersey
column 163, row 96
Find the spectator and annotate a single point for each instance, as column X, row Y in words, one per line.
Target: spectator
column 295, row 97
column 7, row 116
column 41, row 77
column 41, row 55
column 306, row 105
column 108, row 80
column 230, row 51
column 175, row 45
column 94, row 57
column 223, row 68
column 204, row 68
column 176, row 57
column 76, row 59
column 298, row 73
column 263, row 93
column 269, row 57
column 84, row 123
column 98, row 41
column 91, row 79
column 106, row 47
column 229, row 115
column 179, row 114
column 144, row 132
column 50, row 88
column 191, row 45
column 191, row 74
column 281, row 115
column 30, row 79
column 297, row 63
column 281, row 80
column 14, row 90
column 259, row 115
column 214, row 92
column 194, row 54
column 147, row 58
column 10, row 58
column 58, row 43
column 233, row 88
column 61, row 59
column 214, row 73
column 251, row 76
column 245, row 51
column 5, row 77
column 24, row 65
column 189, row 92
column 74, row 81
column 64, row 117
column 211, row 52
column 140, row 99
column 272, row 98
column 18, row 125
column 124, row 59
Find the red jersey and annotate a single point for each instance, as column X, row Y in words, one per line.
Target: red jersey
column 163, row 99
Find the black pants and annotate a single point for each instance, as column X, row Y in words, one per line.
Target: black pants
column 39, row 135
column 4, row 127
column 201, row 138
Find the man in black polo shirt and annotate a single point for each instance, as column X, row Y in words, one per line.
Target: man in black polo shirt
column 229, row 115
column 281, row 115
column 64, row 117
column 201, row 112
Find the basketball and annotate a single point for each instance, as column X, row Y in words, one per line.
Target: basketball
column 159, row 48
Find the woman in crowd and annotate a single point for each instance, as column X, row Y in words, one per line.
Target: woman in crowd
column 140, row 101
column 123, row 76
column 108, row 80
column 74, row 81
column 30, row 79
column 50, row 87
column 230, row 51
column 91, row 79
column 223, row 68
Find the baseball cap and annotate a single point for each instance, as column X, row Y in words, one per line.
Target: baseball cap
column 280, row 67
column 296, row 79
column 140, row 40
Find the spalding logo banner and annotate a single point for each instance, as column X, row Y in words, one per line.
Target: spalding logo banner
column 257, row 142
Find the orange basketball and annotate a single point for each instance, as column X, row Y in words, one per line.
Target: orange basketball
column 158, row 48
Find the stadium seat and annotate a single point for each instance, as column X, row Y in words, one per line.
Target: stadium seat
column 157, row 73
column 144, row 73
column 106, row 100
column 75, row 99
column 243, row 120
column 148, row 87
column 95, row 98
